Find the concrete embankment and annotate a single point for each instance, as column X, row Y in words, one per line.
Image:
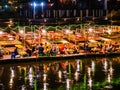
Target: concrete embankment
column 53, row 58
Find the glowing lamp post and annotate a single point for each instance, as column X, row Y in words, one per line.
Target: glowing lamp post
column 34, row 8
column 90, row 32
column 34, row 11
column 42, row 5
column 23, row 33
column 67, row 31
column 44, row 32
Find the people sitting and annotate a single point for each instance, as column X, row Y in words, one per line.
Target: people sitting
column 40, row 50
column 15, row 53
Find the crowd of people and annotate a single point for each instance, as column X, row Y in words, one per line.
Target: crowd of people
column 54, row 50
column 47, row 50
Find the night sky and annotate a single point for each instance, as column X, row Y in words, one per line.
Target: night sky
column 82, row 4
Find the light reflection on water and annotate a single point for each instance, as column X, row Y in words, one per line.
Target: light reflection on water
column 79, row 74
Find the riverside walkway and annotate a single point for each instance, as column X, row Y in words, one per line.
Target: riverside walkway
column 6, row 59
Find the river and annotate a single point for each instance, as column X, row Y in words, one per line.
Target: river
column 72, row 74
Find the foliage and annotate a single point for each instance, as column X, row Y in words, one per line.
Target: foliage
column 65, row 27
column 59, row 27
column 51, row 28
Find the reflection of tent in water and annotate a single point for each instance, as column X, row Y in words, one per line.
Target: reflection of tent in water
column 67, row 66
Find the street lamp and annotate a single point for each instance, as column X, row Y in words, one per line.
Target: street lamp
column 44, row 32
column 42, row 4
column 34, row 8
column 34, row 12
column 105, row 6
column 22, row 32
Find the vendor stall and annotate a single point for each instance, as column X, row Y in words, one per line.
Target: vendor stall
column 8, row 42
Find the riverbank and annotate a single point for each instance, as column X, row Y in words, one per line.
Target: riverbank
column 59, row 57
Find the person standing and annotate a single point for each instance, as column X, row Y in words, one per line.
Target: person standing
column 16, row 51
column 1, row 54
column 40, row 50
column 28, row 51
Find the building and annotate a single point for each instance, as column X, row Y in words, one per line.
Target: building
column 33, row 9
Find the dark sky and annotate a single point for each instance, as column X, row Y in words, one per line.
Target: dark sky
column 90, row 4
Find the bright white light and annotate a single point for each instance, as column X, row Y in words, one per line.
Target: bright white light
column 23, row 87
column 11, row 77
column 105, row 66
column 10, row 38
column 34, row 4
column 11, row 82
column 109, row 78
column 44, row 77
column 6, row 6
column 21, row 31
column 30, row 76
column 67, row 31
column 12, row 73
column 111, row 71
column 90, row 29
column 1, row 32
column 89, row 71
column 67, row 83
column 76, row 76
column 30, row 70
column 78, row 65
column 90, row 82
column 10, row 21
column 93, row 41
column 60, row 75
column 93, row 66
column 106, row 18
column 109, row 31
column 45, row 86
column 44, row 32
column 42, row 4
column 45, row 20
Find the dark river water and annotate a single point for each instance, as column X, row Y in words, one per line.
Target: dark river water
column 74, row 74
